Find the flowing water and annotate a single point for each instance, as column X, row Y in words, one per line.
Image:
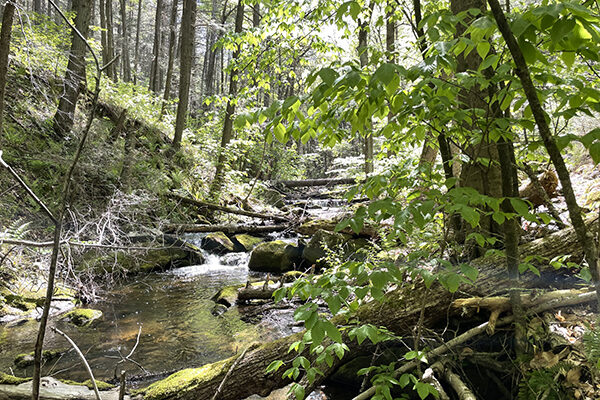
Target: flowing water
column 173, row 310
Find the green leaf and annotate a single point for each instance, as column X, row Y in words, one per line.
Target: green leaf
column 317, row 333
column 385, row 73
column 328, row 75
column 274, row 366
column 379, row 279
column 469, row 271
column 483, row 49
column 595, row 152
column 333, row 332
column 298, row 391
column 499, row 217
column 520, row 206
column 279, row 131
column 422, row 389
column 491, row 61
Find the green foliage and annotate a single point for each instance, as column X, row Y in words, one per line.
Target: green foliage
column 591, row 343
column 543, row 383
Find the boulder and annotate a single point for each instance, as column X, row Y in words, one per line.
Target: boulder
column 245, row 242
column 131, row 262
column 25, row 360
column 276, row 257
column 217, row 242
column 83, row 316
column 227, row 296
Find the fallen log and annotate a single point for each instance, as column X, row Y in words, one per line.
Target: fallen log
column 315, row 182
column 229, row 228
column 217, row 207
column 398, row 311
column 252, row 293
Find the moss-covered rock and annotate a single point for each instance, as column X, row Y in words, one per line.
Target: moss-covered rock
column 25, row 360
column 227, row 296
column 245, row 242
column 83, row 316
column 6, row 379
column 276, row 257
column 185, row 380
column 133, row 262
column 217, row 242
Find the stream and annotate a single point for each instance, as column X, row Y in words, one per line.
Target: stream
column 173, row 310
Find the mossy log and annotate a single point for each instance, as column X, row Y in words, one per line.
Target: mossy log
column 399, row 312
column 230, row 229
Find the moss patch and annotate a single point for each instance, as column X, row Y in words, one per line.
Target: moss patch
column 245, row 242
column 83, row 316
column 88, row 383
column 6, row 379
column 185, row 380
column 26, row 359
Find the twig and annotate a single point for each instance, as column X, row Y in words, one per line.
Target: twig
column 87, row 366
column 229, row 373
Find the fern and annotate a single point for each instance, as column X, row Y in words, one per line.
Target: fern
column 542, row 383
column 17, row 230
column 591, row 343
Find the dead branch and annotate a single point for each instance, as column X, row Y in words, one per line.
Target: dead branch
column 561, row 301
column 216, row 207
column 315, row 182
column 80, row 354
column 230, row 228
column 462, row 390
column 229, row 372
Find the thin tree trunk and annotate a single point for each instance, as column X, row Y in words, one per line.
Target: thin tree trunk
column 5, row 34
column 111, row 71
column 125, row 42
column 522, row 70
column 74, row 77
column 230, row 109
column 172, row 38
column 363, row 55
column 137, row 43
column 390, row 31
column 154, row 67
column 103, row 40
column 187, row 43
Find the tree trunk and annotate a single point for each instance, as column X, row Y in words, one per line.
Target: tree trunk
column 185, row 70
column 111, row 71
column 172, row 38
column 316, row 182
column 522, row 70
column 64, row 117
column 5, row 34
column 227, row 135
column 137, row 43
column 103, row 40
column 363, row 54
column 125, row 42
column 231, row 228
column 154, row 67
column 390, row 31
column 397, row 311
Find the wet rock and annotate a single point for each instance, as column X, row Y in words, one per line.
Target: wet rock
column 83, row 316
column 53, row 389
column 217, row 242
column 276, row 257
column 245, row 242
column 227, row 296
column 131, row 262
column 218, row 309
column 26, row 360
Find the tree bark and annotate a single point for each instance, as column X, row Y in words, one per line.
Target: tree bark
column 363, row 55
column 125, row 42
column 185, row 70
column 154, row 67
column 227, row 134
column 398, row 312
column 74, row 77
column 103, row 32
column 137, row 43
column 5, row 34
column 172, row 46
column 111, row 71
column 584, row 236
